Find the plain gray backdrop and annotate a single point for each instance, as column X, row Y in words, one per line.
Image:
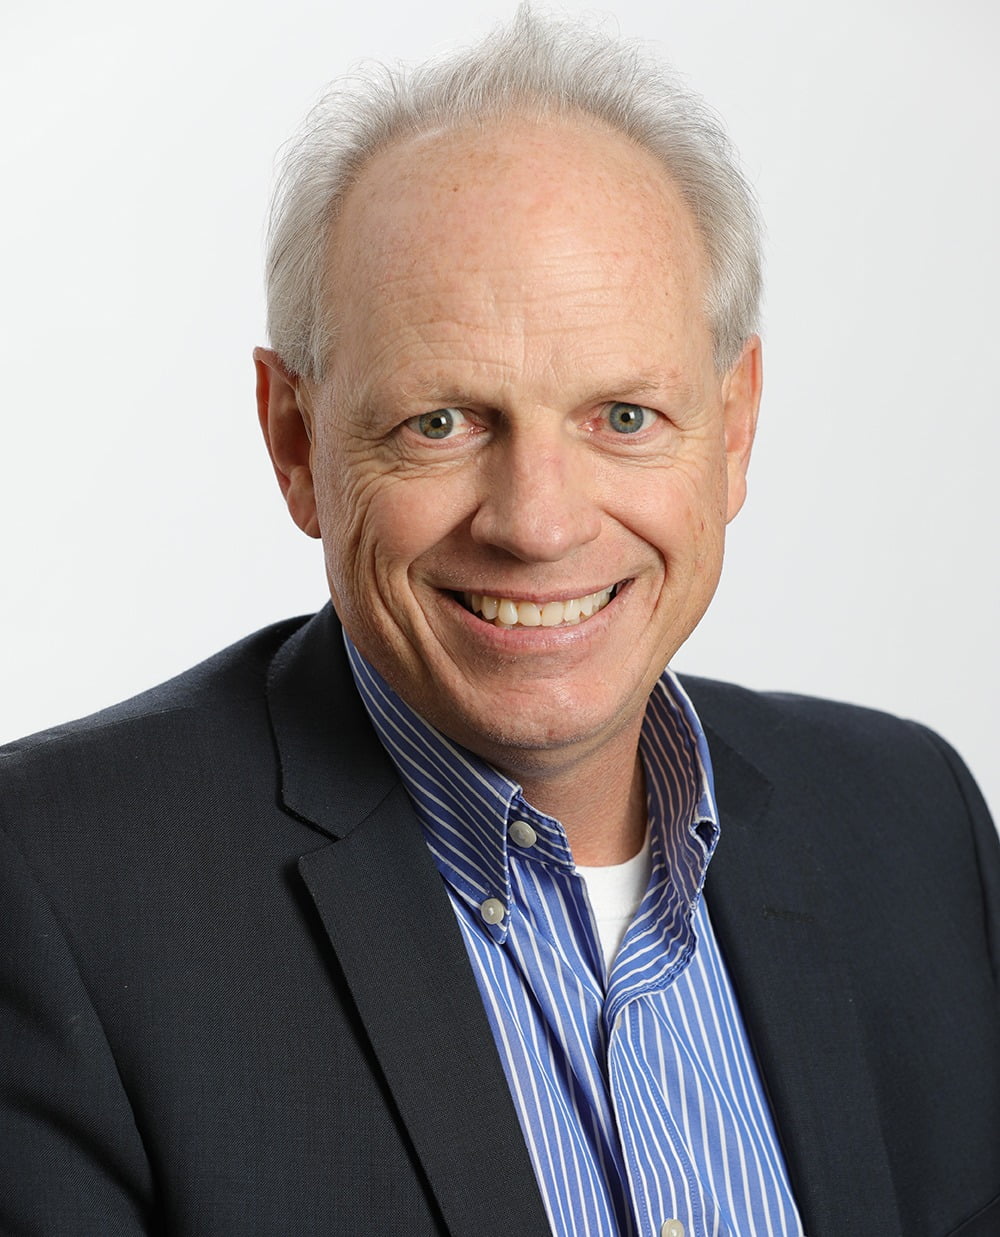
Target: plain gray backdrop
column 142, row 527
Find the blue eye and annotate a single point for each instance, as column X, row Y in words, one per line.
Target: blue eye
column 628, row 418
column 440, row 423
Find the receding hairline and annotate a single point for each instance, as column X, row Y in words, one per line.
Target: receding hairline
column 516, row 124
column 537, row 64
column 529, row 116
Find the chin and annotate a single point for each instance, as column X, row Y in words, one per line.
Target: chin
column 509, row 738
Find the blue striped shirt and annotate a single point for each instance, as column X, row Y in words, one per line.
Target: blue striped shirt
column 637, row 1092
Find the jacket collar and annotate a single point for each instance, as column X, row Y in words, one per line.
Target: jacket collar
column 334, row 772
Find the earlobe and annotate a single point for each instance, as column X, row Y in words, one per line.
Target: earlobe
column 286, row 422
column 741, row 403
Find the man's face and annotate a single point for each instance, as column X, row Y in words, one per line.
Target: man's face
column 522, row 457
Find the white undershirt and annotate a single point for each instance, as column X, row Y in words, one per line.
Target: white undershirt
column 614, row 893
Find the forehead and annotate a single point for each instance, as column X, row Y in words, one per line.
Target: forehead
column 525, row 228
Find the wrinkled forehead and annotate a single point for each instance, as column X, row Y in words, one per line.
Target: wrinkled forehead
column 518, row 205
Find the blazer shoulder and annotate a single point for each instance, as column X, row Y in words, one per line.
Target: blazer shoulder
column 850, row 752
column 158, row 748
column 763, row 724
column 856, row 765
column 213, row 685
column 779, row 708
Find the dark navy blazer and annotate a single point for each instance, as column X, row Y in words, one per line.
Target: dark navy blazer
column 234, row 1000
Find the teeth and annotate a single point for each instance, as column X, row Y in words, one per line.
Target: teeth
column 505, row 612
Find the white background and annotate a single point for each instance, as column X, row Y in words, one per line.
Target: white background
column 141, row 525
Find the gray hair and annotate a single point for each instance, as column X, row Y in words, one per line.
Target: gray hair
column 538, row 66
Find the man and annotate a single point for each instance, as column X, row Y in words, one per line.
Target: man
column 448, row 910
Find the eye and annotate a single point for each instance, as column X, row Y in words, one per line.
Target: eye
column 441, row 423
column 629, row 418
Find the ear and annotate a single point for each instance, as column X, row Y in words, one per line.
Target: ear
column 741, row 403
column 286, row 420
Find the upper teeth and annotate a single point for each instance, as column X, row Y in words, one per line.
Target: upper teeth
column 506, row 612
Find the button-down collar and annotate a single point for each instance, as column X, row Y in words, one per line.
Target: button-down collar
column 473, row 816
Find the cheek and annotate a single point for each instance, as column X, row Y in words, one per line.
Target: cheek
column 374, row 525
column 679, row 511
column 712, row 518
column 346, row 498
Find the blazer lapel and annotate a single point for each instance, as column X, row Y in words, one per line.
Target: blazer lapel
column 779, row 936
column 389, row 920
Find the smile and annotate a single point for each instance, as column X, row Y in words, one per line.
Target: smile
column 509, row 612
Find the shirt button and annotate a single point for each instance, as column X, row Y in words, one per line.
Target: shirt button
column 492, row 910
column 671, row 1228
column 522, row 834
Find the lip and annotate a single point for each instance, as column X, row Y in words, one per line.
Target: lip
column 540, row 599
column 512, row 640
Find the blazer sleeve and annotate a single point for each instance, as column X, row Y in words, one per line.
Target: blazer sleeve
column 71, row 1158
column 985, row 839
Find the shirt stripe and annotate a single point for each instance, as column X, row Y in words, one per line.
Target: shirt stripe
column 636, row 1090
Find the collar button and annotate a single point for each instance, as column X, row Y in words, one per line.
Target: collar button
column 522, row 834
column 492, row 910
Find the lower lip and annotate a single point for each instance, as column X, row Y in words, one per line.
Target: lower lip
column 534, row 639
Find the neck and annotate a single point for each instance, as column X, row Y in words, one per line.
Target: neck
column 601, row 804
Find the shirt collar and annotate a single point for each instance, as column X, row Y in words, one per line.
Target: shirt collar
column 467, row 808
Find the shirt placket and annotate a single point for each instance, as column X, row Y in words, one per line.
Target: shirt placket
column 564, row 954
column 666, row 1193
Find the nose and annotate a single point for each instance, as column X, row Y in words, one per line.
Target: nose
column 538, row 501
